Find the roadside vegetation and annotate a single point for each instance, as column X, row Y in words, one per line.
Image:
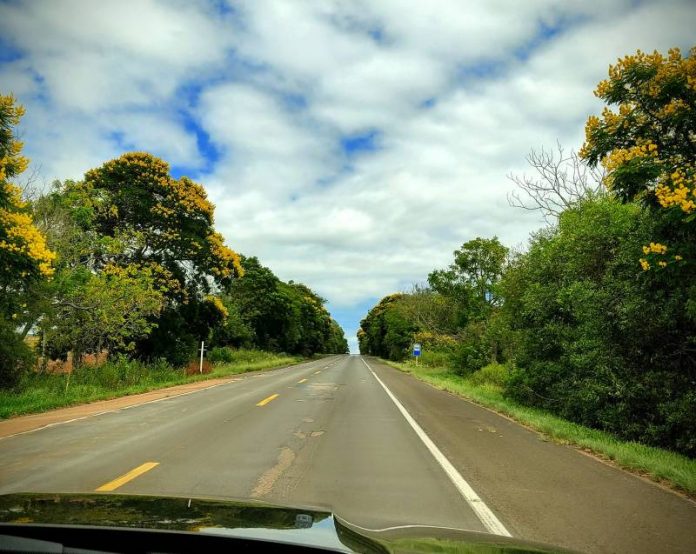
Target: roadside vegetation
column 120, row 376
column 127, row 264
column 595, row 322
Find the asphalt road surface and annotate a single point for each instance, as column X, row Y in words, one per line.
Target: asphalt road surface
column 372, row 444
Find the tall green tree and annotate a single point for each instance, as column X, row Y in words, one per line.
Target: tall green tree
column 471, row 279
column 386, row 331
column 281, row 316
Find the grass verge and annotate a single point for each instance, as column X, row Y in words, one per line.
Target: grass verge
column 663, row 466
column 121, row 377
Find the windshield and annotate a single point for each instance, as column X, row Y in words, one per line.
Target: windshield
column 413, row 264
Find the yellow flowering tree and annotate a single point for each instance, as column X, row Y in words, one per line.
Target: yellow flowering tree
column 132, row 213
column 156, row 218
column 646, row 142
column 24, row 256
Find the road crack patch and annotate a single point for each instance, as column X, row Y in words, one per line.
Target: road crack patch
column 265, row 483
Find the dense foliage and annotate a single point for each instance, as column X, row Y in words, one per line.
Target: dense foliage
column 267, row 313
column 599, row 342
column 596, row 321
column 128, row 261
column 25, row 258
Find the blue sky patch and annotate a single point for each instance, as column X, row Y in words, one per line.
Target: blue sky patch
column 8, row 52
column 545, row 33
column 428, row 103
column 359, row 143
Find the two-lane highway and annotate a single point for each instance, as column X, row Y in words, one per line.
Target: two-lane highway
column 320, row 434
column 372, row 444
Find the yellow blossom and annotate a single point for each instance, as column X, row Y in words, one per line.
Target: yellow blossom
column 19, row 238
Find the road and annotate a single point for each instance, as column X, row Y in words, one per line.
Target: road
column 374, row 445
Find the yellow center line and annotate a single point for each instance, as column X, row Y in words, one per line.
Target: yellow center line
column 302, row 380
column 132, row 474
column 267, row 400
column 317, row 372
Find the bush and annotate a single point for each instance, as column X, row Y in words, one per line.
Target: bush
column 435, row 358
column 219, row 355
column 491, row 374
column 468, row 358
column 16, row 358
column 473, row 351
column 121, row 371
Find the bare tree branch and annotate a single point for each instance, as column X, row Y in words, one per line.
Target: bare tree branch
column 561, row 180
column 31, row 183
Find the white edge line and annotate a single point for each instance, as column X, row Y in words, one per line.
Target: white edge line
column 483, row 512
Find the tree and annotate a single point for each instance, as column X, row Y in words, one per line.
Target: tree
column 24, row 256
column 150, row 218
column 561, row 181
column 648, row 146
column 431, row 312
column 385, row 331
column 261, row 305
column 133, row 214
column 289, row 317
column 108, row 310
column 471, row 279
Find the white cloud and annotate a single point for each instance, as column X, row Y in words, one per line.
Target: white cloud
column 282, row 83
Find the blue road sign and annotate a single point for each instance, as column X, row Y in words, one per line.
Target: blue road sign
column 417, row 349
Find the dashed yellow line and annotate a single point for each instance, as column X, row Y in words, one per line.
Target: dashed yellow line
column 317, row 372
column 132, row 474
column 267, row 400
column 302, row 380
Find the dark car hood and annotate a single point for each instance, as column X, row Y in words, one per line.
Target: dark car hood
column 260, row 521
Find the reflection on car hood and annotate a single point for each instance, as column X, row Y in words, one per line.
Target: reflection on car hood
column 260, row 521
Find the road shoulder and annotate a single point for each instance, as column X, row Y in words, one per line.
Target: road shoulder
column 33, row 422
column 542, row 490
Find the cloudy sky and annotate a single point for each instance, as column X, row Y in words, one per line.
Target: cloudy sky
column 350, row 145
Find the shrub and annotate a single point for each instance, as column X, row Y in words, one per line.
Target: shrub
column 467, row 358
column 491, row 374
column 435, row 358
column 16, row 358
column 121, row 371
column 221, row 355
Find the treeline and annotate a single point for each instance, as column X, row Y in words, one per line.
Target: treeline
column 128, row 261
column 596, row 320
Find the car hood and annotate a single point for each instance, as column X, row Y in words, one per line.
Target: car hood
column 260, row 521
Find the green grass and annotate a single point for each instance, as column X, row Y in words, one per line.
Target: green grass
column 41, row 392
column 485, row 387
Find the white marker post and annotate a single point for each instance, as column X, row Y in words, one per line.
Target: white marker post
column 200, row 368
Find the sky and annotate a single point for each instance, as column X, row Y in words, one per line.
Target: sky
column 352, row 146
